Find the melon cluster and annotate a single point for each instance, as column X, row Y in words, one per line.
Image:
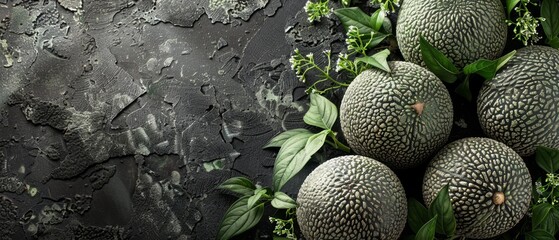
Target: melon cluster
column 403, row 118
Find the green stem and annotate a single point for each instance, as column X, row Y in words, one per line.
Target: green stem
column 337, row 144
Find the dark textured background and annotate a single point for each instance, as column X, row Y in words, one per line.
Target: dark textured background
column 118, row 118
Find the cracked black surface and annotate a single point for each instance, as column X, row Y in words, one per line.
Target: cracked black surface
column 119, row 118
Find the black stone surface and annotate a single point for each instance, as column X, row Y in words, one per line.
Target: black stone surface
column 118, row 118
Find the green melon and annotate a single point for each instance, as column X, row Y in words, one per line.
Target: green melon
column 351, row 197
column 519, row 106
column 464, row 30
column 489, row 185
column 399, row 118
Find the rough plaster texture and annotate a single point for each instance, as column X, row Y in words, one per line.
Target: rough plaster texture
column 119, row 118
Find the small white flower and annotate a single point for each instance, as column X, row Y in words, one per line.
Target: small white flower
column 309, row 55
column 306, row 7
column 339, row 65
column 293, row 62
column 351, row 29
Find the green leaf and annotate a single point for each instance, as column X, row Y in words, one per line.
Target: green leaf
column 554, row 220
column 510, row 5
column 239, row 218
column 283, row 201
column 545, row 217
column 540, row 213
column 483, row 67
column 377, row 19
column 240, row 185
column 505, row 59
column 278, row 140
column 464, row 89
column 315, row 142
column 387, row 26
column 256, row 197
column 417, row 215
column 427, row 231
column 538, row 234
column 550, row 11
column 488, row 68
column 437, row 62
column 294, row 155
column 378, row 37
column 554, row 43
column 377, row 60
column 354, row 16
column 292, row 151
column 547, row 158
column 322, row 113
column 442, row 207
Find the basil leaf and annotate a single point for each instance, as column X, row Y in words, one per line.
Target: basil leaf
column 283, row 201
column 377, row 60
column 505, row 59
column 510, row 5
column 538, row 234
column 377, row 19
column 550, row 224
column 483, row 67
column 427, row 231
column 540, row 213
column 437, row 62
column 387, row 26
column 488, row 68
column 293, row 150
column 354, row 16
column 545, row 217
column 464, row 89
column 322, row 113
column 442, row 207
column 315, row 142
column 239, row 218
column 554, row 220
column 554, row 42
column 378, row 37
column 278, row 140
column 241, row 185
column 294, row 155
column 256, row 197
column 417, row 215
column 550, row 11
column 547, row 158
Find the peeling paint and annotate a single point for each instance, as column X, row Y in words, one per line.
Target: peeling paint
column 7, row 55
column 72, row 5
